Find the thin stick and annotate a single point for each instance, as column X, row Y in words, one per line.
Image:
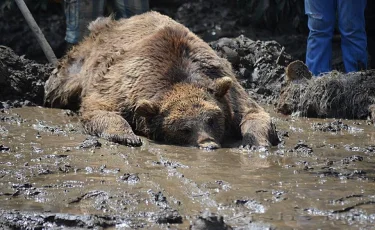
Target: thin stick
column 281, row 53
column 37, row 32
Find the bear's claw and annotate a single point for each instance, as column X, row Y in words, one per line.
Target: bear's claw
column 124, row 139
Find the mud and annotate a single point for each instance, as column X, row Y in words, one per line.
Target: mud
column 21, row 80
column 54, row 176
column 260, row 65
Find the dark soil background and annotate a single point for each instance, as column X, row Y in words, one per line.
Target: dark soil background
column 210, row 19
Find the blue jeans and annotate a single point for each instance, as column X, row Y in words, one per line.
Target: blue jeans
column 79, row 13
column 351, row 23
column 128, row 8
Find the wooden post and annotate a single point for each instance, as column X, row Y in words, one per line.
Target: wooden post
column 37, row 32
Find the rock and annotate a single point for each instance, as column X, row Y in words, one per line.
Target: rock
column 209, row 221
column 334, row 126
column 168, row 216
column 90, row 142
column 302, row 148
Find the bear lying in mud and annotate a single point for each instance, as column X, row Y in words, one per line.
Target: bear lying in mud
column 149, row 75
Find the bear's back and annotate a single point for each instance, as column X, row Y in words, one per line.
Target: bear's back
column 142, row 57
column 151, row 41
column 125, row 33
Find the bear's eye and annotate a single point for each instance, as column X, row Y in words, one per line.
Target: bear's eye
column 185, row 130
column 210, row 121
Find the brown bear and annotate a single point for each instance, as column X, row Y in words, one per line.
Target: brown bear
column 149, row 75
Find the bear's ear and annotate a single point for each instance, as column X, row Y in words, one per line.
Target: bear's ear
column 222, row 85
column 146, row 108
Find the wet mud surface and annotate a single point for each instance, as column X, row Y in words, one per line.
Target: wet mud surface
column 54, row 176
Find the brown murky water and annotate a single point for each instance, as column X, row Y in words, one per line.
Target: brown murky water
column 314, row 180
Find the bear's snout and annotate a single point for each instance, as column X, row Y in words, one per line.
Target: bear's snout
column 205, row 141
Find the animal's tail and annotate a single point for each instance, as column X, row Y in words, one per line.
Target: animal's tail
column 63, row 90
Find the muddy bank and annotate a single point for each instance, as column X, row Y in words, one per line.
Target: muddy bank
column 54, row 176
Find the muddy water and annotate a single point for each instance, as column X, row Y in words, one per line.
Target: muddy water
column 321, row 176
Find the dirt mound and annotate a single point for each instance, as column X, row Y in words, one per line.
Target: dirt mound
column 21, row 80
column 260, row 65
column 334, row 95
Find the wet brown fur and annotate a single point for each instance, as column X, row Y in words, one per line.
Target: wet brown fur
column 297, row 70
column 151, row 75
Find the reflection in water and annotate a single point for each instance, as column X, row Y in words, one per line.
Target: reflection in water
column 42, row 168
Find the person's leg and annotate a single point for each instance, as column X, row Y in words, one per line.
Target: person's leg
column 321, row 22
column 142, row 6
column 97, row 9
column 89, row 11
column 79, row 13
column 86, row 11
column 128, row 8
column 351, row 16
column 71, row 8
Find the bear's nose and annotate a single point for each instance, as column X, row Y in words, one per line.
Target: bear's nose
column 205, row 141
column 209, row 145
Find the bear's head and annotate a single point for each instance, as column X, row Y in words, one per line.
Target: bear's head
column 188, row 114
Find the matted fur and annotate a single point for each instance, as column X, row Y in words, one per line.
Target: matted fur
column 333, row 95
column 144, row 74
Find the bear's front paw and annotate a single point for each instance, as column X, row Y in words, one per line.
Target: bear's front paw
column 124, row 139
column 250, row 139
column 256, row 133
